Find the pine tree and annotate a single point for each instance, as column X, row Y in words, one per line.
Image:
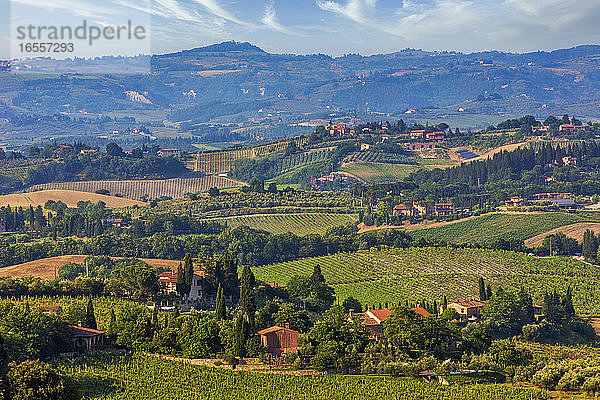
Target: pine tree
column 482, row 293
column 247, row 296
column 90, row 317
column 220, row 310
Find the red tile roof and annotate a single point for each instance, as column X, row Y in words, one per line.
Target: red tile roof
column 273, row 329
column 421, row 311
column 81, row 332
column 376, row 317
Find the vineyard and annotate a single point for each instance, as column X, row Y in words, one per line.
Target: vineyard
column 378, row 172
column 220, row 161
column 299, row 224
column 145, row 377
column 394, row 275
column 490, row 227
column 138, row 189
column 301, row 159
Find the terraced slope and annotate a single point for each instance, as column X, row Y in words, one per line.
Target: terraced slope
column 394, row 275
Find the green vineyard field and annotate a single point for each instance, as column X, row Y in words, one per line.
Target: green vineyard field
column 137, row 189
column 490, row 227
column 299, row 224
column 146, row 377
column 372, row 172
column 395, row 275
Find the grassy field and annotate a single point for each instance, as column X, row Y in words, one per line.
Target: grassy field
column 394, row 275
column 490, row 227
column 299, row 224
column 69, row 197
column 46, row 268
column 137, row 189
column 145, row 377
column 378, row 172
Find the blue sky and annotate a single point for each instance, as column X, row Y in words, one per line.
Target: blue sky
column 333, row 27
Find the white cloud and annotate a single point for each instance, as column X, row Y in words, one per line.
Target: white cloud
column 270, row 21
column 356, row 10
column 217, row 10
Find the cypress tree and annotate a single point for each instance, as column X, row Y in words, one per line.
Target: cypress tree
column 317, row 277
column 180, row 280
column 154, row 320
column 488, row 292
column 111, row 321
column 482, row 293
column 220, row 310
column 247, row 296
column 445, row 304
column 90, row 317
column 188, row 272
column 239, row 344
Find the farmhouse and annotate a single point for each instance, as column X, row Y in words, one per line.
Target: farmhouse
column 435, row 136
column 422, row 208
column 402, row 209
column 373, row 320
column 418, row 134
column 419, row 146
column 515, row 202
column 168, row 283
column 469, row 310
column 443, row 208
column 86, row 338
column 278, row 340
column 169, row 153
column 337, row 129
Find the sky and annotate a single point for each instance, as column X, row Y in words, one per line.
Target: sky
column 333, row 27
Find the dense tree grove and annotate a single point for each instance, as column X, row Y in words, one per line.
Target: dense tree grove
column 521, row 172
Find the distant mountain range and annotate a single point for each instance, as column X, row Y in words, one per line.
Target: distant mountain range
column 235, row 82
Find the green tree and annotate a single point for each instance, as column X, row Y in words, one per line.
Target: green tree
column 317, row 277
column 188, row 272
column 482, row 293
column 508, row 311
column 240, row 336
column 350, row 303
column 35, row 380
column 220, row 309
column 247, row 301
column 589, row 248
column 90, row 317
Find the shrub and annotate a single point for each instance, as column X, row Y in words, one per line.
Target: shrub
column 35, row 380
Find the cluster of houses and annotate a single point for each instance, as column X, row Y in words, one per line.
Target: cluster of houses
column 428, row 136
column 339, row 129
column 563, row 201
column 419, row 209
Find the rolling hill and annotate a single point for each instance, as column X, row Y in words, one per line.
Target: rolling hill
column 490, row 227
column 395, row 275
